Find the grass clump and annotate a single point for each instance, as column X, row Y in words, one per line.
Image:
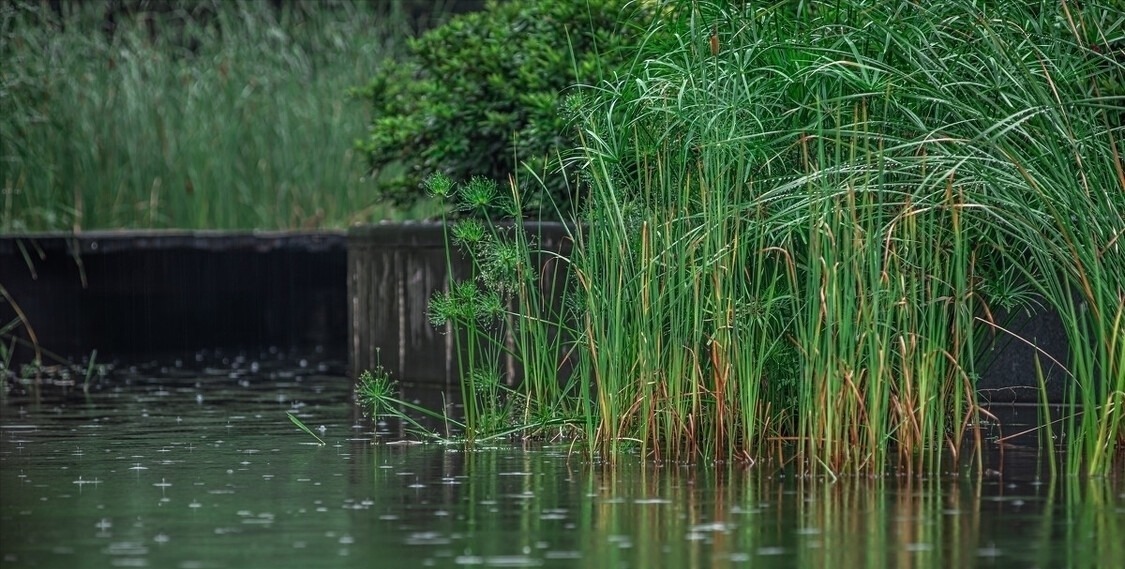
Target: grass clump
column 802, row 226
column 844, row 184
column 213, row 114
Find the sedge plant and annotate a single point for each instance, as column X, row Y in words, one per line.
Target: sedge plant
column 502, row 304
column 873, row 164
column 800, row 228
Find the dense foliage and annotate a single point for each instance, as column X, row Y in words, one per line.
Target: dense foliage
column 480, row 95
column 810, row 227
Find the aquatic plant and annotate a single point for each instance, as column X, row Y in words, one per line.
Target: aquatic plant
column 376, row 392
column 512, row 335
column 803, row 229
column 305, row 428
column 865, row 167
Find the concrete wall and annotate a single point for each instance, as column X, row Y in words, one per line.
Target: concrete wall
column 393, row 271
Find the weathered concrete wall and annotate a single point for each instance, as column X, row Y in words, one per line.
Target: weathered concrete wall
column 393, row 272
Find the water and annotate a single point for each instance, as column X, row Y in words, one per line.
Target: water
column 204, row 470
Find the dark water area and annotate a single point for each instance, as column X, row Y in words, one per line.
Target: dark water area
column 195, row 464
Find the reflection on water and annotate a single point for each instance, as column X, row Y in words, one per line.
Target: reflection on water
column 204, row 470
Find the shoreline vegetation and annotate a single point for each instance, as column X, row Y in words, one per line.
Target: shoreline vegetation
column 801, row 222
column 802, row 226
column 206, row 115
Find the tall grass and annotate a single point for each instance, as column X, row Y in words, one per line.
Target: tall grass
column 802, row 225
column 217, row 115
column 856, row 185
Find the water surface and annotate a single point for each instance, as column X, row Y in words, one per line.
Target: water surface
column 203, row 469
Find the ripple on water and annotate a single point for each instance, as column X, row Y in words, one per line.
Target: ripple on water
column 406, row 503
column 126, row 548
column 428, row 538
column 498, row 560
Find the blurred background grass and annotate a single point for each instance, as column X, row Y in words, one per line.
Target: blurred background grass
column 208, row 114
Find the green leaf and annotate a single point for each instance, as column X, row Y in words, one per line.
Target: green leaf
column 301, row 425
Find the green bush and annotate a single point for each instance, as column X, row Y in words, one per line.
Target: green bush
column 480, row 95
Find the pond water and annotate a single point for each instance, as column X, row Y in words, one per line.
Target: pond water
column 175, row 469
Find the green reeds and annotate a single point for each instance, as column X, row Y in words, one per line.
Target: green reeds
column 215, row 115
column 855, row 171
column 799, row 232
column 1055, row 170
column 687, row 278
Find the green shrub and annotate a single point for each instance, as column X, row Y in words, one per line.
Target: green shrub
column 480, row 94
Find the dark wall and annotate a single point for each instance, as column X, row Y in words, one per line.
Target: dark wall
column 132, row 294
column 393, row 272
column 361, row 297
column 1008, row 373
